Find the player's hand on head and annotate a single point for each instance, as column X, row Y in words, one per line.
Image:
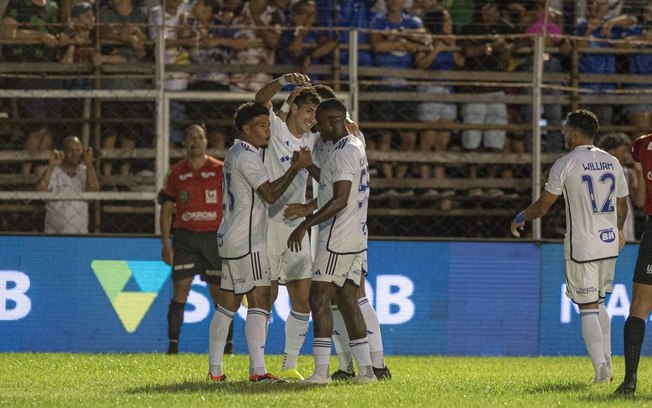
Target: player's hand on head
column 56, row 157
column 296, row 78
column 88, row 156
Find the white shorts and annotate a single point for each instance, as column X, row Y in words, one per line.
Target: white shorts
column 337, row 269
column 589, row 282
column 242, row 275
column 287, row 265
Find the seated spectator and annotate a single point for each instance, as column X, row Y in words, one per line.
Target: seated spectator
column 170, row 16
column 122, row 25
column 299, row 44
column 595, row 32
column 552, row 140
column 619, row 145
column 207, row 25
column 640, row 36
column 485, row 54
column 65, row 173
column 437, row 58
column 30, row 29
column 263, row 40
column 396, row 39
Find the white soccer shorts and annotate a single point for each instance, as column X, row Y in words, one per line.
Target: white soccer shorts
column 285, row 264
column 242, row 275
column 590, row 281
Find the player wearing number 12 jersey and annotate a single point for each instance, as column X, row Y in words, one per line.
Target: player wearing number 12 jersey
column 242, row 236
column 595, row 191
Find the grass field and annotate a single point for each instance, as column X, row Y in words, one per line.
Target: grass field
column 147, row 380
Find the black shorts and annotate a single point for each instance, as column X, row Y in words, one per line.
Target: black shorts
column 643, row 270
column 196, row 253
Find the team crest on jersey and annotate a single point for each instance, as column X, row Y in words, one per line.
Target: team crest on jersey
column 211, row 196
column 185, row 197
column 207, row 174
column 185, row 176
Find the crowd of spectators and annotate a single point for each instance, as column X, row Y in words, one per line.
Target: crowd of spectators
column 431, row 35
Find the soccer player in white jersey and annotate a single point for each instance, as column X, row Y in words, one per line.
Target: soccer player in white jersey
column 595, row 191
column 345, row 371
column 342, row 218
column 292, row 269
column 242, row 239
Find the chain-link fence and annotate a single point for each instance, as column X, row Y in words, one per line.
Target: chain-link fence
column 459, row 137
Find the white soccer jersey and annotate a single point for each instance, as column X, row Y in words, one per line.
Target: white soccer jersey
column 278, row 157
column 590, row 180
column 244, row 223
column 322, row 149
column 346, row 233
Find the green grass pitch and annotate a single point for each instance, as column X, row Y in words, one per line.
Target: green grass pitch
column 148, row 380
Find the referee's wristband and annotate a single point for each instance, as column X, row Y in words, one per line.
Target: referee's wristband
column 519, row 218
column 282, row 80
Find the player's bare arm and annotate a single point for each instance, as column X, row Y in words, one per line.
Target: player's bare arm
column 167, row 253
column 266, row 93
column 536, row 210
column 270, row 192
column 341, row 191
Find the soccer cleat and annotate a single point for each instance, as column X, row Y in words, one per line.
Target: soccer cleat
column 341, row 375
column 364, row 379
column 216, row 378
column 266, row 378
column 291, row 374
column 317, row 379
column 173, row 348
column 382, row 373
column 603, row 376
column 627, row 387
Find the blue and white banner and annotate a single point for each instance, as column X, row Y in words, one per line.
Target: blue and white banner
column 77, row 294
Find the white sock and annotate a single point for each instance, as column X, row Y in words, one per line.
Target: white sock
column 605, row 325
column 321, row 348
column 255, row 330
column 341, row 341
column 373, row 332
column 592, row 334
column 296, row 328
column 360, row 351
column 217, row 334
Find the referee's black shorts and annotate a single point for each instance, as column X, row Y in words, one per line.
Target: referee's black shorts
column 196, row 253
column 643, row 270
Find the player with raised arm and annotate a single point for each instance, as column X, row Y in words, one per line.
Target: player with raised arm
column 242, row 239
column 595, row 192
column 292, row 269
column 345, row 371
column 639, row 309
column 342, row 218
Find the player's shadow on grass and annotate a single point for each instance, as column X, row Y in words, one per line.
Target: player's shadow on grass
column 556, row 388
column 231, row 387
column 617, row 398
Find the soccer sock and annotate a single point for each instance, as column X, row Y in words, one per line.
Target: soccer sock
column 256, row 332
column 360, row 351
column 217, row 333
column 592, row 334
column 175, row 320
column 605, row 325
column 373, row 332
column 341, row 341
column 634, row 333
column 321, row 348
column 296, row 328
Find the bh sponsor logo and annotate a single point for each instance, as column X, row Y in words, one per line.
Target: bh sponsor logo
column 131, row 306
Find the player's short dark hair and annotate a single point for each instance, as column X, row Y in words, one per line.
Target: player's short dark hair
column 307, row 96
column 610, row 141
column 332, row 104
column 433, row 21
column 324, row 91
column 583, row 120
column 247, row 112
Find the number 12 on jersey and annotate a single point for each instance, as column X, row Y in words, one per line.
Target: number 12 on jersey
column 607, row 205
